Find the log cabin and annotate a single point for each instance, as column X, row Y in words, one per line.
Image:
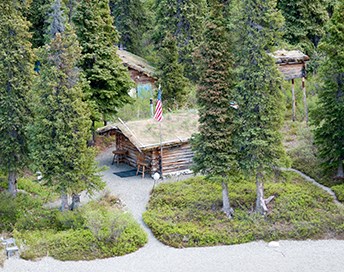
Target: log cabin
column 168, row 154
column 140, row 71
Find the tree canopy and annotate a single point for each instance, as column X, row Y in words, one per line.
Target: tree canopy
column 328, row 116
column 61, row 124
column 259, row 96
column 16, row 73
column 108, row 79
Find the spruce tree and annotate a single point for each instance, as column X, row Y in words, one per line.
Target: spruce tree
column 109, row 80
column 61, row 124
column 214, row 152
column 131, row 20
column 16, row 72
column 171, row 74
column 37, row 15
column 184, row 20
column 258, row 139
column 329, row 114
column 304, row 21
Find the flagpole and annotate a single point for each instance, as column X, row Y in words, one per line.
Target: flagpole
column 159, row 118
column 160, row 150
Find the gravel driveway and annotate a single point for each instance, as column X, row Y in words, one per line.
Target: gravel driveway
column 285, row 256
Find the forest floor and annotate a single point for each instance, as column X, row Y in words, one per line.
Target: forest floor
column 312, row 256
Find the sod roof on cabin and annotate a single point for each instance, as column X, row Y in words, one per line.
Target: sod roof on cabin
column 145, row 134
column 136, row 63
column 289, row 57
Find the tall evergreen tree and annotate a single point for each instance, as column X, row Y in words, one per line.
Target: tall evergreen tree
column 171, row 74
column 56, row 20
column 304, row 21
column 37, row 15
column 214, row 152
column 329, row 115
column 16, row 72
column 61, row 124
column 259, row 93
column 184, row 19
column 131, row 22
column 109, row 79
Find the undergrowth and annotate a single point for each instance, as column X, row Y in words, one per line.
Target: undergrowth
column 188, row 213
column 98, row 229
column 300, row 147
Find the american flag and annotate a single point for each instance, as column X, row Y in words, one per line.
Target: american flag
column 158, row 107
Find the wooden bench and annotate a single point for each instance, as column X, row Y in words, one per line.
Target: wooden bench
column 142, row 165
column 10, row 246
column 119, row 155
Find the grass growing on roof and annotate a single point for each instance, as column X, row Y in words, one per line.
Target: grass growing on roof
column 188, row 213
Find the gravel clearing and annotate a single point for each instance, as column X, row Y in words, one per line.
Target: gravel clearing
column 285, row 256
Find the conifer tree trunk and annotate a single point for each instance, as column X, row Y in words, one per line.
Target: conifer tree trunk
column 93, row 128
column 225, row 199
column 260, row 203
column 75, row 201
column 305, row 99
column 64, row 202
column 12, row 182
column 293, row 99
column 340, row 171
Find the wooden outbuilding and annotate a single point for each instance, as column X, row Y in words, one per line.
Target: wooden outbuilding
column 292, row 64
column 142, row 138
column 140, row 70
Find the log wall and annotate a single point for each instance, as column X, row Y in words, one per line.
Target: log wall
column 139, row 77
column 175, row 158
column 123, row 142
column 291, row 71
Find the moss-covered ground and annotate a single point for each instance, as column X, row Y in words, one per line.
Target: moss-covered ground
column 98, row 229
column 188, row 213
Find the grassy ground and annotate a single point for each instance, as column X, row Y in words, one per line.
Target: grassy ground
column 97, row 230
column 299, row 144
column 2, row 255
column 188, row 213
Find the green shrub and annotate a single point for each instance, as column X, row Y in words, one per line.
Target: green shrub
column 15, row 208
column 37, row 219
column 96, row 230
column 69, row 220
column 339, row 191
column 188, row 213
column 62, row 245
column 36, row 189
column 8, row 214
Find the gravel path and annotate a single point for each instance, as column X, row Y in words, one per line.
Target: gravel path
column 285, row 256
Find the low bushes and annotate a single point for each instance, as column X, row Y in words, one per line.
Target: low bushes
column 303, row 154
column 188, row 213
column 96, row 230
column 339, row 191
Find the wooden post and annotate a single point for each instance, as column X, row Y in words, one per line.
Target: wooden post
column 305, row 99
column 155, row 161
column 161, row 171
column 293, row 99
